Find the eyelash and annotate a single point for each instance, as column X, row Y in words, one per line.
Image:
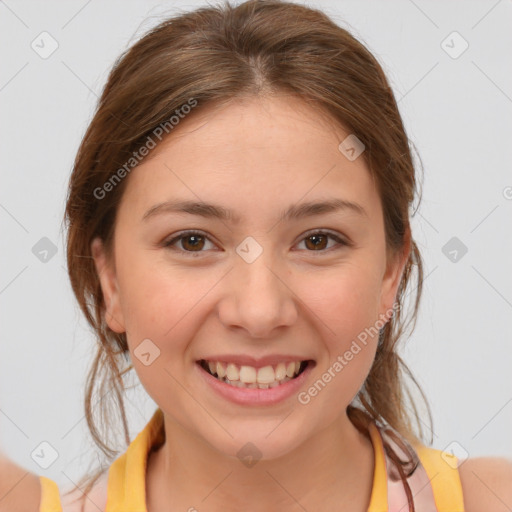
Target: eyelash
column 195, row 254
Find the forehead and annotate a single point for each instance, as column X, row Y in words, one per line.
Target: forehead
column 251, row 155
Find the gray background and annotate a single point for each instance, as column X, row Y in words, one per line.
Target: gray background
column 457, row 112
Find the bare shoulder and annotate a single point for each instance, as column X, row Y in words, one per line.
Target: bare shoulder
column 95, row 501
column 487, row 484
column 20, row 490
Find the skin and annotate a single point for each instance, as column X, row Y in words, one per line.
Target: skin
column 313, row 454
column 20, row 490
column 256, row 157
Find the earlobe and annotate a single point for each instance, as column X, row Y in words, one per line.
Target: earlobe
column 108, row 281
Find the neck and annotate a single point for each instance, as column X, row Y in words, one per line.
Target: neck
column 333, row 467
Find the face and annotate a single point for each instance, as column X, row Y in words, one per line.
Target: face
column 255, row 283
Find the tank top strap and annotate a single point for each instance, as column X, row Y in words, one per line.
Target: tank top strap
column 434, row 482
column 444, row 478
column 50, row 496
column 126, row 485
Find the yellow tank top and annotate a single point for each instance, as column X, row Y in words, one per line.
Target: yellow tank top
column 435, row 484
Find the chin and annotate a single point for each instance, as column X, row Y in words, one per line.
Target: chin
column 261, row 443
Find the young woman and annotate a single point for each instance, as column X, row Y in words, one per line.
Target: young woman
column 239, row 234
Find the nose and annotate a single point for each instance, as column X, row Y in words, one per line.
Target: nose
column 258, row 299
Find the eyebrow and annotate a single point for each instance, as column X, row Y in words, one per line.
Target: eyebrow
column 294, row 212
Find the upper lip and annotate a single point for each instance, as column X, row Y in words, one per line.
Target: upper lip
column 245, row 360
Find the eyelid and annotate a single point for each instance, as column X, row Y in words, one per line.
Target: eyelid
column 183, row 234
column 341, row 240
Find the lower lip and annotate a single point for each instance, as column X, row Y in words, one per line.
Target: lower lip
column 255, row 396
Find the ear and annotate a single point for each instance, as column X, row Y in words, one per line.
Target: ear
column 108, row 280
column 395, row 265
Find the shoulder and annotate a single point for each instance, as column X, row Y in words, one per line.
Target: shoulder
column 19, row 489
column 486, row 484
column 95, row 501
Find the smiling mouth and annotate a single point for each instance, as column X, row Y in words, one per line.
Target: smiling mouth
column 254, row 378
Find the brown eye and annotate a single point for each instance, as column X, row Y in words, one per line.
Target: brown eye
column 191, row 243
column 319, row 240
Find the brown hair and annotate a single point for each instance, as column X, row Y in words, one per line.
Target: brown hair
column 216, row 54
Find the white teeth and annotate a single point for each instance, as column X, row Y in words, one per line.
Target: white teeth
column 266, row 375
column 254, row 385
column 280, row 371
column 232, row 372
column 250, row 377
column 221, row 370
column 248, row 374
column 290, row 369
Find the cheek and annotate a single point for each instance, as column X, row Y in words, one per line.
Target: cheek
column 341, row 374
column 345, row 302
column 160, row 302
column 157, row 306
column 345, row 306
